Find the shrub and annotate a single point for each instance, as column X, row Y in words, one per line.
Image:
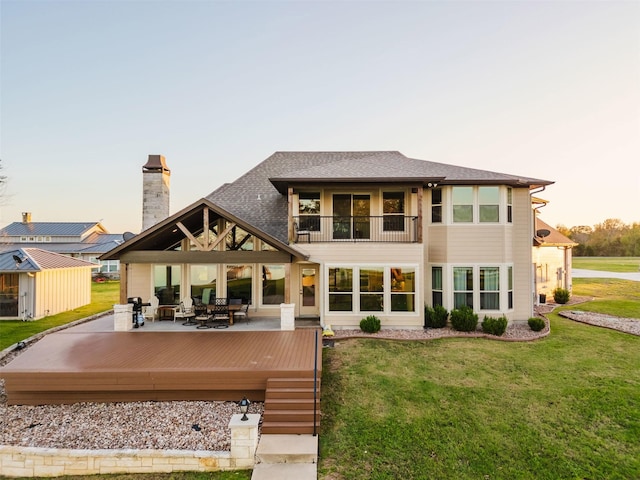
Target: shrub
column 463, row 319
column 561, row 295
column 435, row 317
column 370, row 324
column 494, row 326
column 536, row 323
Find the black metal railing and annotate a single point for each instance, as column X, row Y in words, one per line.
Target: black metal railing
column 386, row 228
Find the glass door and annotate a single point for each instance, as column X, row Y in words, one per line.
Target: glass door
column 308, row 292
column 351, row 216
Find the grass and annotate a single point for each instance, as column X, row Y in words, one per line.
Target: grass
column 607, row 264
column 567, row 406
column 620, row 298
column 103, row 297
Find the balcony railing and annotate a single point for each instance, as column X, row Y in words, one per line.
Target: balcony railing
column 387, row 228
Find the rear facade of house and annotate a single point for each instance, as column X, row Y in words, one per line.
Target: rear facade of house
column 344, row 235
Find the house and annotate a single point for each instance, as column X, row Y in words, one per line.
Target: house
column 83, row 240
column 552, row 256
column 342, row 235
column 36, row 283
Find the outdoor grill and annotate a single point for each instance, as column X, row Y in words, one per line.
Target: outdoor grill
column 137, row 318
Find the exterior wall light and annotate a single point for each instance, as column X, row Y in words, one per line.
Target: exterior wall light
column 244, row 408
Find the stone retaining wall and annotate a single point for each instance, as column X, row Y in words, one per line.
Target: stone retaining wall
column 55, row 462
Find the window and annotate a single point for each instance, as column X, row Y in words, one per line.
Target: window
column 489, row 288
column 273, row 284
column 462, row 287
column 436, row 205
column 489, row 204
column 510, row 205
column 463, row 204
column 24, row 239
column 9, row 294
column 109, row 266
column 309, row 211
column 340, row 289
column 238, row 239
column 239, row 282
column 372, row 289
column 510, row 286
column 436, row 286
column 166, row 284
column 393, row 211
column 403, row 287
column 204, row 283
column 351, row 216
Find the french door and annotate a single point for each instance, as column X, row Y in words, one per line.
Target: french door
column 351, row 216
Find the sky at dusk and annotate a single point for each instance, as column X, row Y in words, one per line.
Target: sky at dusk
column 89, row 89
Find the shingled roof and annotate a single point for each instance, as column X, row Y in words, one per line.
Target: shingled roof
column 259, row 196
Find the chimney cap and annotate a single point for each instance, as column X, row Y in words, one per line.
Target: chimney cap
column 156, row 163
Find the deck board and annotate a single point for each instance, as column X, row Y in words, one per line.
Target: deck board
column 121, row 366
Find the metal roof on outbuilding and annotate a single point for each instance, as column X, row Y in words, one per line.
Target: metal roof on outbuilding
column 36, row 259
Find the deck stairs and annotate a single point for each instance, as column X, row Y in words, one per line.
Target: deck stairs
column 289, row 406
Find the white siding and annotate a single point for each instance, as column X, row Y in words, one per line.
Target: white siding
column 61, row 290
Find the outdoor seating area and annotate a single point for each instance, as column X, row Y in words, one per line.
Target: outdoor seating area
column 215, row 313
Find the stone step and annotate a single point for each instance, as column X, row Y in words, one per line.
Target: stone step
column 277, row 448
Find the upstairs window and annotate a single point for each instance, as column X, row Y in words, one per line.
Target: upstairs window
column 489, row 204
column 436, row 205
column 393, row 211
column 510, row 205
column 463, row 204
column 309, row 211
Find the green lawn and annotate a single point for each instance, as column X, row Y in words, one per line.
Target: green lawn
column 563, row 407
column 607, row 264
column 103, row 297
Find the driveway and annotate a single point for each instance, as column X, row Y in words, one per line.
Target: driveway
column 580, row 273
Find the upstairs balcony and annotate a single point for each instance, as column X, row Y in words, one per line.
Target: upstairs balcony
column 381, row 229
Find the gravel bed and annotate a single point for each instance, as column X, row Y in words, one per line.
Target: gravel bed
column 198, row 425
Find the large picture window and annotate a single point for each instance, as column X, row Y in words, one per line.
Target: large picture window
column 239, row 282
column 403, row 288
column 203, row 283
column 340, row 289
column 273, row 284
column 372, row 289
column 166, row 284
column 489, row 288
column 462, row 287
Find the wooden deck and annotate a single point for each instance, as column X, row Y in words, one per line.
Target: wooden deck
column 125, row 366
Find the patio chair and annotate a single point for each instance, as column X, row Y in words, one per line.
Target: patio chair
column 150, row 312
column 185, row 310
column 243, row 312
column 220, row 313
column 302, row 233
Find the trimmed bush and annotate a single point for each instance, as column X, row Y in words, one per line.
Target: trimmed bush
column 536, row 323
column 370, row 324
column 494, row 326
column 561, row 295
column 435, row 317
column 463, row 319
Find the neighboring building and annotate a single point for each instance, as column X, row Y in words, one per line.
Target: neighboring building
column 35, row 283
column 552, row 255
column 83, row 240
column 343, row 235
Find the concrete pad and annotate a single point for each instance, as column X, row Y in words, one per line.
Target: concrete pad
column 285, row 471
column 287, row 449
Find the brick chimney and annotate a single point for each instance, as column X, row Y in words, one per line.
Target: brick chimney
column 26, row 217
column 155, row 191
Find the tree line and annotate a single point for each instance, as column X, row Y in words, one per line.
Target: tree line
column 611, row 238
